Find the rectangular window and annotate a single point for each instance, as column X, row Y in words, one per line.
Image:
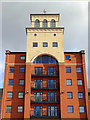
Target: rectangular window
column 69, row 82
column 67, row 57
column 11, row 69
column 10, row 82
column 21, row 82
column 37, row 111
column 9, row 109
column 55, row 44
column 20, row 94
column 51, row 83
column 68, row 69
column 51, row 70
column 80, row 94
column 81, row 109
column 79, row 82
column 38, row 70
column 9, row 94
column 78, row 69
column 22, row 69
column 20, row 109
column 35, row 44
column 37, row 96
column 22, row 57
column 37, row 83
column 52, row 97
column 52, row 111
column 69, row 94
column 45, row 44
column 70, row 109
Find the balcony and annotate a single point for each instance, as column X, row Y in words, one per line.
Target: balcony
column 44, row 73
column 44, row 86
column 43, row 114
column 44, row 99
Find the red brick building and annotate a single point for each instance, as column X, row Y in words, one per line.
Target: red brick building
column 45, row 82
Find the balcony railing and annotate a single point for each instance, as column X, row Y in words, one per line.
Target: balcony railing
column 43, row 114
column 44, row 85
column 44, row 73
column 44, row 99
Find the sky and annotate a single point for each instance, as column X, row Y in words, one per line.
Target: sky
column 15, row 17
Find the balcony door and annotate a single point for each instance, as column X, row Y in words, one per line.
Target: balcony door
column 37, row 83
column 51, row 83
column 52, row 97
column 38, row 70
column 37, row 111
column 37, row 96
column 51, row 70
column 52, row 111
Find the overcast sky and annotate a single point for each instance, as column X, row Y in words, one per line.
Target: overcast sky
column 16, row 17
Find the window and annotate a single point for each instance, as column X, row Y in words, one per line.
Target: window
column 21, row 82
column 80, row 94
column 55, row 44
column 37, row 23
column 79, row 82
column 20, row 94
column 45, row 59
column 51, row 70
column 37, row 111
column 38, row 70
column 20, row 108
column 70, row 109
column 37, row 83
column 22, row 57
column 9, row 94
column 69, row 82
column 22, row 69
column 10, row 82
column 35, row 44
column 81, row 109
column 35, row 34
column 45, row 44
column 9, row 109
column 52, row 97
column 11, row 69
column 69, row 95
column 68, row 69
column 78, row 69
column 54, row 34
column 45, row 23
column 51, row 83
column 52, row 110
column 37, row 96
column 67, row 57
column 52, row 23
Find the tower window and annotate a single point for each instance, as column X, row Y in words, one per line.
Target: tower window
column 20, row 95
column 35, row 44
column 22, row 57
column 81, row 109
column 79, row 82
column 45, row 23
column 22, row 69
column 67, row 57
column 37, row 23
column 80, row 94
column 69, row 95
column 45, row 44
column 78, row 69
column 9, row 109
column 70, row 109
column 9, row 94
column 69, row 82
column 21, row 82
column 52, row 23
column 10, row 82
column 20, row 108
column 55, row 44
column 11, row 69
column 68, row 69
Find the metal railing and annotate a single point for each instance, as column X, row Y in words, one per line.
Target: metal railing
column 44, row 85
column 44, row 114
column 44, row 99
column 44, row 73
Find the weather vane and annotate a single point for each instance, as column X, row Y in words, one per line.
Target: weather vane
column 44, row 11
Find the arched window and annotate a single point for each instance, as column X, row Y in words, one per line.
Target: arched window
column 45, row 59
column 53, row 23
column 44, row 23
column 37, row 23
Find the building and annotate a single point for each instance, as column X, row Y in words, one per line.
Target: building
column 45, row 82
column 89, row 103
column 1, row 92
